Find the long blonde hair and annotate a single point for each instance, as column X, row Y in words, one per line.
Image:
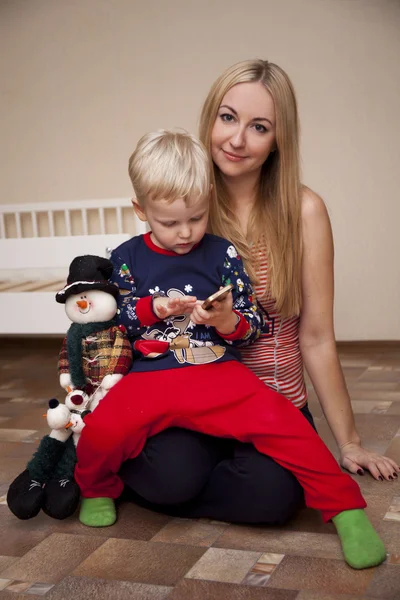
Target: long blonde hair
column 275, row 219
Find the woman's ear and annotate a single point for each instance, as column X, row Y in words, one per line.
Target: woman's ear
column 138, row 210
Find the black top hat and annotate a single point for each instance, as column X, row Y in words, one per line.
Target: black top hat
column 88, row 273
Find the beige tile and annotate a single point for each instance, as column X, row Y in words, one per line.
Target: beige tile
column 18, row 586
column 191, row 532
column 144, row 562
column 6, row 561
column 4, row 583
column 53, row 558
column 196, row 589
column 15, row 435
column 229, row 566
column 280, row 541
column 83, row 588
column 370, row 406
column 320, row 574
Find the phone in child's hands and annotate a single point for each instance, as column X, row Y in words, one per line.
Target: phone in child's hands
column 217, row 297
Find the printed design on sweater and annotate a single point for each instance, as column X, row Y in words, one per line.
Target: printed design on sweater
column 174, row 335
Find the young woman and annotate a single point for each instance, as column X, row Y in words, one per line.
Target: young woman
column 249, row 124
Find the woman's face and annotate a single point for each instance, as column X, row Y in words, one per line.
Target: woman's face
column 244, row 131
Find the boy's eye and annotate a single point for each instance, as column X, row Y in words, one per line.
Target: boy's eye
column 169, row 224
column 227, row 117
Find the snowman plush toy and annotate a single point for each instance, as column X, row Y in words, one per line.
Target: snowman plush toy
column 95, row 355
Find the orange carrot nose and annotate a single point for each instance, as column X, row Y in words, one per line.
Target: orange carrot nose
column 82, row 303
column 69, row 425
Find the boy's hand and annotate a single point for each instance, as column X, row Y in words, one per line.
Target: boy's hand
column 220, row 316
column 166, row 307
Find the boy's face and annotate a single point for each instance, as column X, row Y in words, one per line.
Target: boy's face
column 174, row 225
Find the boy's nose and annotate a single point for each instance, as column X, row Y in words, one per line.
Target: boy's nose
column 185, row 232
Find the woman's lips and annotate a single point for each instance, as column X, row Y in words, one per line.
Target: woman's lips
column 233, row 157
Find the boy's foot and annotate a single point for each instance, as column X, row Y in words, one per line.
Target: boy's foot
column 362, row 547
column 98, row 512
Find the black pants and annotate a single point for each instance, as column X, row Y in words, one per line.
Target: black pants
column 188, row 474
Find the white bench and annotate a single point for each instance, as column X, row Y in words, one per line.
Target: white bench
column 37, row 245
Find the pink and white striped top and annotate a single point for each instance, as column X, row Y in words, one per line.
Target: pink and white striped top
column 275, row 357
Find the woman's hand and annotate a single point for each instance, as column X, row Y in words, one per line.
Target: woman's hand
column 355, row 459
column 220, row 315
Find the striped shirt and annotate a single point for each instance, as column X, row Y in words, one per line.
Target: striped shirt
column 275, row 357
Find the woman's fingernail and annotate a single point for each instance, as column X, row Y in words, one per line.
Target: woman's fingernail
column 380, row 478
column 360, row 472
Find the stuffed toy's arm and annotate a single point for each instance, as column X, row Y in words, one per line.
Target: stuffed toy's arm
column 120, row 359
column 248, row 328
column 63, row 367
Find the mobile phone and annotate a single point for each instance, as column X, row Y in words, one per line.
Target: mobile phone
column 217, row 296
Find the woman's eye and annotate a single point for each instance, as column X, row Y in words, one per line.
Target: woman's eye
column 260, row 128
column 227, row 117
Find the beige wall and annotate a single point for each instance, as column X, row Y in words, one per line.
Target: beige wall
column 81, row 80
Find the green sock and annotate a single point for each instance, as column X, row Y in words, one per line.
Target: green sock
column 98, row 512
column 361, row 545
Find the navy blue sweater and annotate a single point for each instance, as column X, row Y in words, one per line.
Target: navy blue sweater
column 142, row 269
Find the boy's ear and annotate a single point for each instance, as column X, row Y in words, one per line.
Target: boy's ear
column 138, row 210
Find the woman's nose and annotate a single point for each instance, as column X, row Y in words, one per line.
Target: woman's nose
column 238, row 138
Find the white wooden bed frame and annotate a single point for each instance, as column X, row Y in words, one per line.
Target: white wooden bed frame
column 33, row 267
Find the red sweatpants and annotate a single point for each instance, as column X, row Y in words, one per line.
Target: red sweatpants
column 220, row 399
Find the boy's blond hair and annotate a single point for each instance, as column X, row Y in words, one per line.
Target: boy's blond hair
column 170, row 165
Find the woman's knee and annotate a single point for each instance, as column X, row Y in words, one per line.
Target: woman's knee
column 173, row 467
column 261, row 490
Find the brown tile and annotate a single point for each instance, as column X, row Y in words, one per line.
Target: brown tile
column 385, row 583
column 53, row 559
column 320, row 574
column 226, row 565
column 10, row 468
column 309, row 520
column 83, row 588
column 196, row 589
column 310, row 595
column 18, row 537
column 16, row 450
column 144, row 562
column 134, row 522
column 280, row 541
column 191, row 532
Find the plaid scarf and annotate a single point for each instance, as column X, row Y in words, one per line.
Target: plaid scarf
column 76, row 333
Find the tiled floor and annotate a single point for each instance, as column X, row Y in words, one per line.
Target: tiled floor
column 148, row 556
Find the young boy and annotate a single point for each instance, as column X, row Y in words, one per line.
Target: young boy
column 186, row 372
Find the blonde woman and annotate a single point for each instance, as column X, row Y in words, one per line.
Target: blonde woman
column 249, row 124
